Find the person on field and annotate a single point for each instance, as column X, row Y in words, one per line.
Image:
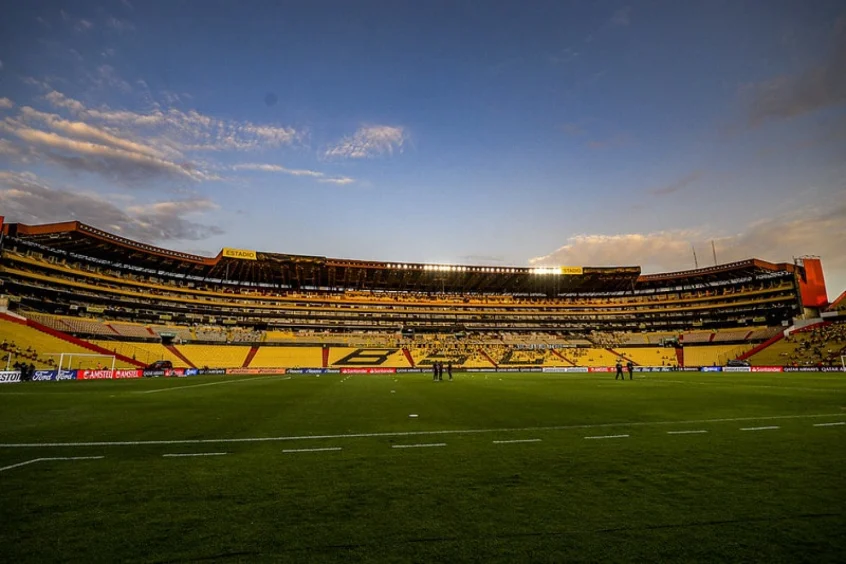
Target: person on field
column 630, row 368
column 619, row 370
column 449, row 370
column 440, row 371
column 434, row 371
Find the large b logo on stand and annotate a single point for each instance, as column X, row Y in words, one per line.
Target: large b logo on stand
column 366, row 357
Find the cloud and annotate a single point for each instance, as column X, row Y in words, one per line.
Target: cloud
column 89, row 132
column 182, row 130
column 679, row 184
column 114, row 162
column 277, row 168
column 369, row 141
column 816, row 231
column 25, row 198
column 621, row 17
column 340, row 180
column 82, row 25
column 6, row 104
column 119, row 25
column 821, row 86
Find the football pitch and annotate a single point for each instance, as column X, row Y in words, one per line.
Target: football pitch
column 494, row 468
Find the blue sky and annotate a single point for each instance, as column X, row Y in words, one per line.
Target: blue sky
column 500, row 133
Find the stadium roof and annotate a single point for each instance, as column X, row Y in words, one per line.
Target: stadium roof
column 300, row 271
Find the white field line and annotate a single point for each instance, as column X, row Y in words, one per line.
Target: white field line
column 608, row 437
column 699, row 431
column 420, row 445
column 181, row 454
column 324, row 449
column 19, row 464
column 416, row 433
column 248, row 379
column 830, row 424
column 517, row 441
column 770, row 428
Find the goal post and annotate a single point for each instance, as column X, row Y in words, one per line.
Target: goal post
column 71, row 356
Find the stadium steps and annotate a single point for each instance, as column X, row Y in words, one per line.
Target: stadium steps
column 70, row 339
column 621, row 355
column 115, row 331
column 680, row 356
column 250, row 355
column 407, row 354
column 325, row 357
column 758, row 348
column 487, row 357
column 567, row 360
column 178, row 354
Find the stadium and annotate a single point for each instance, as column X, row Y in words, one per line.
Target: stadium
column 262, row 375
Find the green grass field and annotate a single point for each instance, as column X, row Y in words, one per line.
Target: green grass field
column 676, row 479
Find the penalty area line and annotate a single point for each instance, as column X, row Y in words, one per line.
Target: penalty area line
column 412, row 433
column 697, row 432
column 770, row 428
column 517, row 441
column 420, row 445
column 324, row 449
column 608, row 437
column 181, row 454
column 830, row 424
column 187, row 386
column 19, row 464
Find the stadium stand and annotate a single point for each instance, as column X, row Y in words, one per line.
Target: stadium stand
column 818, row 346
column 143, row 301
column 713, row 355
column 288, row 357
column 22, row 343
column 220, row 356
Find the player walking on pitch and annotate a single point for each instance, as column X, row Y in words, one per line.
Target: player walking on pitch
column 619, row 370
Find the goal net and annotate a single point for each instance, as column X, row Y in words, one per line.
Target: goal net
column 85, row 361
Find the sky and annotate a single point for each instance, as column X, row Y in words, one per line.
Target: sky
column 520, row 133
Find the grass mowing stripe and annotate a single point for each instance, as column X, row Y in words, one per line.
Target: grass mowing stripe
column 770, row 428
column 420, row 445
column 324, row 449
column 835, row 424
column 411, row 433
column 608, row 437
column 187, row 386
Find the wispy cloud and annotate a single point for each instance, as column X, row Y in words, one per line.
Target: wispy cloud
column 277, row 168
column 320, row 176
column 820, row 86
column 679, row 184
column 82, row 25
column 340, row 180
column 6, row 104
column 369, row 141
column 621, row 17
column 183, row 130
column 119, row 25
column 26, row 198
